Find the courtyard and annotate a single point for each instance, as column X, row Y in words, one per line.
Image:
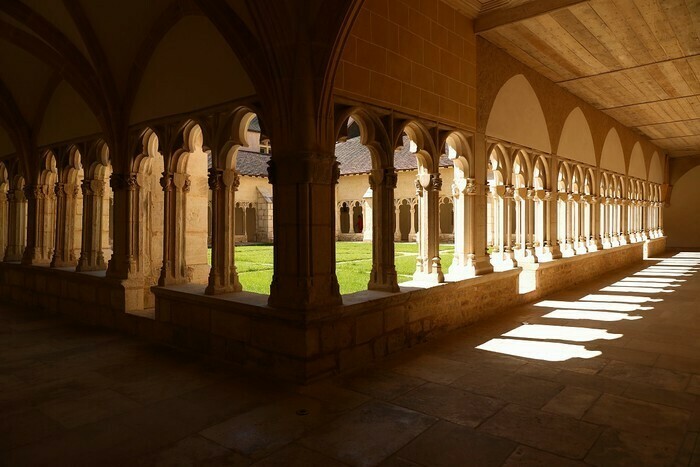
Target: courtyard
column 354, row 263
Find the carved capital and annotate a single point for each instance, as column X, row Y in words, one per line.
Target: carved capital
column 166, row 182
column 419, row 188
column 187, row 185
column 335, row 177
column 60, row 189
column 271, row 171
column 215, row 179
column 391, row 178
column 508, row 191
column 547, row 195
column 435, row 182
column 120, row 182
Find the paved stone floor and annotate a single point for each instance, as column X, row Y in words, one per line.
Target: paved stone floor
column 607, row 374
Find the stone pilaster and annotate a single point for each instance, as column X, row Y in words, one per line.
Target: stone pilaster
column 223, row 276
column 91, row 256
column 383, row 275
column 303, row 185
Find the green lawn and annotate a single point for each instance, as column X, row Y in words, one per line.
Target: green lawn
column 354, row 263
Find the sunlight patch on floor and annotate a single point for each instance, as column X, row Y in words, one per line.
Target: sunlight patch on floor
column 547, row 351
column 599, row 306
column 591, row 315
column 560, row 333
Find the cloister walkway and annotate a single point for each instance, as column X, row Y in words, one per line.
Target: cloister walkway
column 606, row 374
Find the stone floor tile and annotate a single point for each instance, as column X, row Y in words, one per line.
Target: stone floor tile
column 665, row 379
column 694, row 385
column 691, row 443
column 623, row 354
column 295, row 455
column 334, row 396
column 684, row 364
column 655, row 395
column 516, row 388
column 594, row 382
column 193, row 450
column 24, row 427
column 572, row 401
column 525, row 456
column 261, row 431
column 550, row 432
column 88, row 408
column 380, row 384
column 446, row 444
column 619, row 448
column 369, row 434
column 451, row 404
column 638, row 417
column 434, row 369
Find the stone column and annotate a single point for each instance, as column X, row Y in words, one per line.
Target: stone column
column 428, row 267
column 337, row 221
column 367, row 215
column 530, row 225
column 63, row 255
column 397, row 215
column 508, row 208
column 124, row 262
column 645, row 220
column 4, row 223
column 594, row 242
column 413, row 207
column 463, row 191
column 383, row 275
column 624, row 221
column 223, row 276
column 615, row 238
column 304, row 250
column 567, row 248
column 175, row 189
column 91, row 256
column 38, row 250
column 519, row 196
column 551, row 241
column 16, row 225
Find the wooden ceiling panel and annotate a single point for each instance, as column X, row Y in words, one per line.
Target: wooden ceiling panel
column 637, row 60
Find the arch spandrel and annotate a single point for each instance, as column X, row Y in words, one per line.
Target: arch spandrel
column 57, row 126
column 6, row 145
column 656, row 169
column 612, row 156
column 576, row 141
column 637, row 167
column 176, row 81
column 517, row 116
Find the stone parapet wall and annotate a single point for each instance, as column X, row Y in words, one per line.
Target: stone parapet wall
column 243, row 330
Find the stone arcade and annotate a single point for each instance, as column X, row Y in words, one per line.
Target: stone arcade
column 104, row 200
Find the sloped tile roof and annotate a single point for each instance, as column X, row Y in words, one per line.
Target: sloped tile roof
column 353, row 156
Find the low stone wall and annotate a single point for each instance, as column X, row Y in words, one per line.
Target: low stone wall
column 242, row 329
column 655, row 247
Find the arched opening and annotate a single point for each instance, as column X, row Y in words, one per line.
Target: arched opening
column 447, row 220
column 97, row 198
column 500, row 210
column 149, row 166
column 17, row 218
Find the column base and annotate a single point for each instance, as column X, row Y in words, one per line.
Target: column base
column 304, row 293
column 386, row 282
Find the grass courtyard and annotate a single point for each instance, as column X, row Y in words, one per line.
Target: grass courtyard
column 354, row 263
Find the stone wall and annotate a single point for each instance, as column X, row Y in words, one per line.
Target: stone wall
column 413, row 56
column 242, row 329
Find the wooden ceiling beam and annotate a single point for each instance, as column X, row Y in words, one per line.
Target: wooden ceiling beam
column 522, row 12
